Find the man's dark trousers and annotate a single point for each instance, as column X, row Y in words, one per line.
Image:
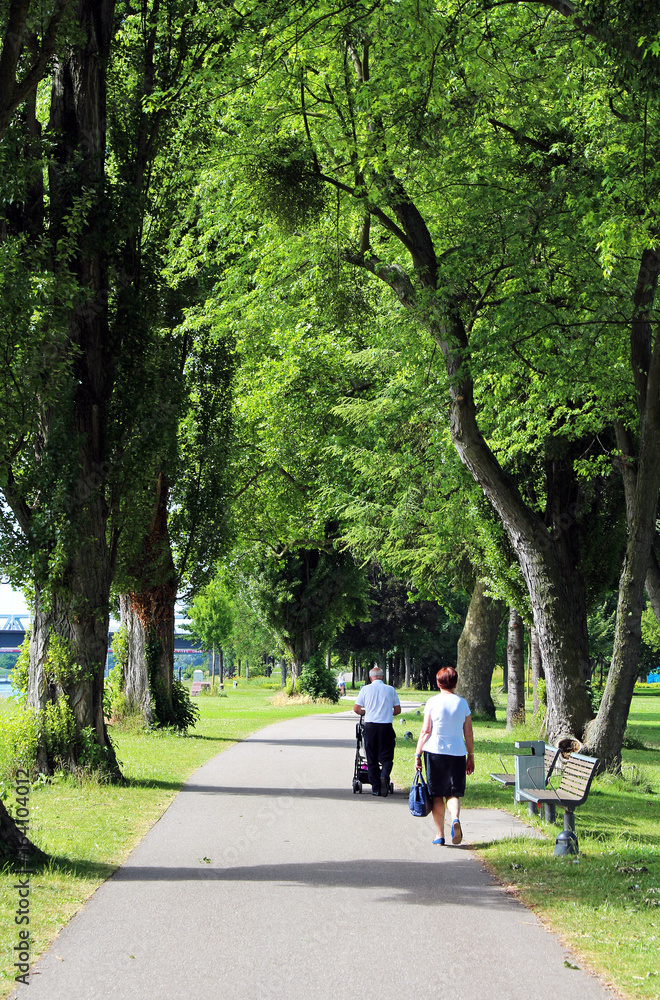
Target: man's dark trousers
column 379, row 741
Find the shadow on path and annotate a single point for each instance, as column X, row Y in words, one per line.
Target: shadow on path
column 414, row 882
column 308, row 793
column 340, row 744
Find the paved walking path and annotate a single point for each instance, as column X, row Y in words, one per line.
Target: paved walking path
column 267, row 879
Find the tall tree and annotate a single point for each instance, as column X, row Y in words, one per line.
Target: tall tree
column 381, row 147
column 87, row 246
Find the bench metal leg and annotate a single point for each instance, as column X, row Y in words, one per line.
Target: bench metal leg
column 532, row 809
column 567, row 842
column 550, row 812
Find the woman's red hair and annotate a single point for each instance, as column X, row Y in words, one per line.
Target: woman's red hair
column 447, row 678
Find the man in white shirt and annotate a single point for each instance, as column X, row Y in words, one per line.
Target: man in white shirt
column 378, row 703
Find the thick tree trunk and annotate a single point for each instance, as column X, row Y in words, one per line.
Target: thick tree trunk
column 80, row 594
column 86, row 639
column 136, row 676
column 153, row 602
column 515, row 656
column 605, row 735
column 283, row 672
column 476, row 652
column 628, row 469
column 537, row 667
column 406, row 660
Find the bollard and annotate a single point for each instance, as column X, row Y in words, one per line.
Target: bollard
column 566, row 842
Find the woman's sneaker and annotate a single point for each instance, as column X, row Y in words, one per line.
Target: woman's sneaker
column 456, row 832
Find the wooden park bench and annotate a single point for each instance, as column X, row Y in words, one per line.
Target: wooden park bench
column 576, row 777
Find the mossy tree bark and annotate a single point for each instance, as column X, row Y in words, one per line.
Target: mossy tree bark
column 72, row 602
column 136, row 675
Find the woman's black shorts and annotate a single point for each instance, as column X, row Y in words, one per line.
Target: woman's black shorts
column 445, row 775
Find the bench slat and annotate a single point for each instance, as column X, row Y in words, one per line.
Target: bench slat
column 504, row 779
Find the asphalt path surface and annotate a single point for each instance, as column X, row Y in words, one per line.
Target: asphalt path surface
column 268, row 879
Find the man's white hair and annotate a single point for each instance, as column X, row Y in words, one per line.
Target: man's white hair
column 376, row 672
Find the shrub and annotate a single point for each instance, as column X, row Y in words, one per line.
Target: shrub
column 186, row 713
column 317, row 680
column 115, row 704
column 19, row 735
column 20, row 672
column 59, row 728
column 542, row 691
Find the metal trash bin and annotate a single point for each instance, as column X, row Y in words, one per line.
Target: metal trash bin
column 529, row 769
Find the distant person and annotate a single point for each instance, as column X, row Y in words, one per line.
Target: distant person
column 448, row 744
column 341, row 683
column 378, row 703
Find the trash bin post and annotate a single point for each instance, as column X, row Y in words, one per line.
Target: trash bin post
column 529, row 769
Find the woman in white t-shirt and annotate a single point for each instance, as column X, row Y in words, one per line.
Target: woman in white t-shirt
column 448, row 744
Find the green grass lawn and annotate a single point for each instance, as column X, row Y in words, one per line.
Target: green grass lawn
column 604, row 906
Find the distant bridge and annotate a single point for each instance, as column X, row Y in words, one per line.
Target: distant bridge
column 13, row 630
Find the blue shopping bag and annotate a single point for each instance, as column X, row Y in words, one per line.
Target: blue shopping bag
column 419, row 800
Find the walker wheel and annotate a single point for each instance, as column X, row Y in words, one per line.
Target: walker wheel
column 356, row 785
column 391, row 788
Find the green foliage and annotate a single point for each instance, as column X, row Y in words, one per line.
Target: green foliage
column 542, row 691
column 119, row 647
column 115, row 704
column 317, row 680
column 306, row 595
column 186, row 712
column 20, row 675
column 286, row 183
column 210, row 616
column 90, row 756
column 163, row 715
column 59, row 730
column 651, row 630
column 19, row 737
